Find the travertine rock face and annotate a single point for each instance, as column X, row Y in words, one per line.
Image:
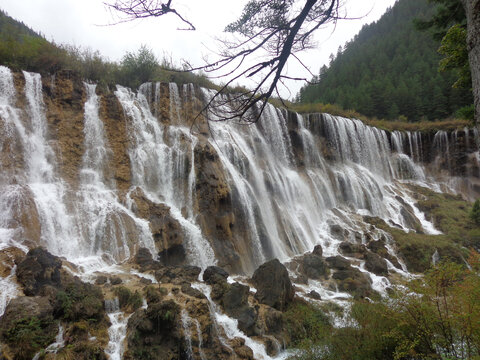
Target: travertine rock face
column 166, row 231
column 64, row 109
column 214, row 205
column 115, row 123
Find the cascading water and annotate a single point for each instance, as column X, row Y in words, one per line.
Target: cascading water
column 288, row 206
column 159, row 158
column 291, row 178
column 117, row 331
column 107, row 225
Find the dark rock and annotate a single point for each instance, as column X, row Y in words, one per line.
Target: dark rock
column 187, row 289
column 144, row 258
column 314, row 295
column 352, row 250
column 354, row 282
column 155, row 333
column 376, row 264
column 173, row 256
column 378, row 247
column 178, row 274
column 115, row 280
column 214, row 274
column 38, row 269
column 235, row 304
column 317, row 250
column 273, row 285
column 338, row 231
column 100, row 280
column 145, row 281
column 273, row 320
column 338, row 262
column 313, row 266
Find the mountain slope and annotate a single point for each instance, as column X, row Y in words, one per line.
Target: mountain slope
column 389, row 70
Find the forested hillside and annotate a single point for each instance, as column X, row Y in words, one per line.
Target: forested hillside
column 21, row 48
column 390, row 71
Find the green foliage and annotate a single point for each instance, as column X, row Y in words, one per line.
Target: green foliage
column 138, row 68
column 446, row 14
column 79, row 301
column 306, row 324
column 29, row 335
column 475, row 212
column 23, row 49
column 389, row 71
column 454, row 49
column 450, row 214
column 127, row 299
column 261, row 14
column 437, row 317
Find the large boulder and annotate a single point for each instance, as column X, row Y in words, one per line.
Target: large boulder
column 178, row 274
column 354, row 282
column 352, row 250
column 273, row 285
column 313, row 266
column 214, row 274
column 235, row 304
column 376, row 264
column 338, row 262
column 37, row 270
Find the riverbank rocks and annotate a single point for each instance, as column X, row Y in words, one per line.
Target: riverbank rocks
column 273, row 285
column 376, row 264
column 177, row 274
column 53, row 297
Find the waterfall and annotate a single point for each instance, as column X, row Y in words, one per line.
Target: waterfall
column 106, row 223
column 230, row 328
column 159, row 158
column 117, row 331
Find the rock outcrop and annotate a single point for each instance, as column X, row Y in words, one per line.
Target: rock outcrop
column 273, row 285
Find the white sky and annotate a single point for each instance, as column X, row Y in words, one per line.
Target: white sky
column 76, row 22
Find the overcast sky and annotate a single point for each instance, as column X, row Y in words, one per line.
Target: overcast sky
column 81, row 22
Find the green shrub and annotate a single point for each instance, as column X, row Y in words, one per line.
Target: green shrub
column 306, row 324
column 475, row 212
column 79, row 301
column 127, row 299
column 30, row 334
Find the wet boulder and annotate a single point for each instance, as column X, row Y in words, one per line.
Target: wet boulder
column 338, row 262
column 376, row 264
column 235, row 303
column 313, row 266
column 273, row 285
column 352, row 250
column 177, row 274
column 353, row 281
column 214, row 274
column 37, row 270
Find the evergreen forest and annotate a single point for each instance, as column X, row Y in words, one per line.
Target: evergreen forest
column 390, row 70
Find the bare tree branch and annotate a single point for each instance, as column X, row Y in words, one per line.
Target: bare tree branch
column 273, row 30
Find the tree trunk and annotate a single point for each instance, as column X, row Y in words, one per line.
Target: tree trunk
column 472, row 10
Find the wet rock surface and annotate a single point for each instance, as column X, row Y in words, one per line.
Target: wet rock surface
column 273, row 285
column 53, row 297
